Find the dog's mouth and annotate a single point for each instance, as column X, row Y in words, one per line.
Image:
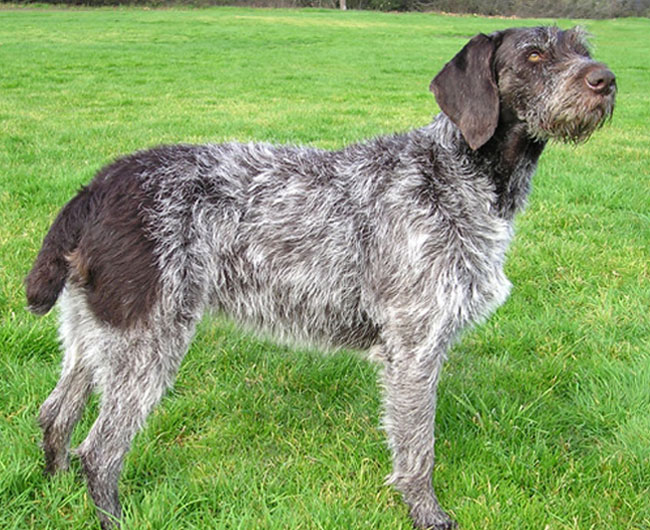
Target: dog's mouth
column 578, row 129
column 584, row 109
column 576, row 123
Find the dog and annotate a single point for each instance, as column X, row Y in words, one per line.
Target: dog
column 393, row 246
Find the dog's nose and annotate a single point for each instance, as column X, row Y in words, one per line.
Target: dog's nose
column 601, row 80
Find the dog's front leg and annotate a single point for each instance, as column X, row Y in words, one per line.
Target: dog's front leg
column 410, row 382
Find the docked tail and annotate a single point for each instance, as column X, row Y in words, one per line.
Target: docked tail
column 45, row 281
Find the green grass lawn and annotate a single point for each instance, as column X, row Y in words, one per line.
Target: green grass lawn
column 544, row 412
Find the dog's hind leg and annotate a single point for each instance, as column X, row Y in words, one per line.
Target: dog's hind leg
column 136, row 368
column 64, row 406
column 60, row 413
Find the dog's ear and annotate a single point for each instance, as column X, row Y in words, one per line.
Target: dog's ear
column 466, row 90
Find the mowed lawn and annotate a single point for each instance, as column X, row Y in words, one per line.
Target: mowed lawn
column 544, row 411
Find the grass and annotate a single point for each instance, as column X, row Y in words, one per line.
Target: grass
column 544, row 412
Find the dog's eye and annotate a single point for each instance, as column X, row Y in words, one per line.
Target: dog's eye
column 535, row 57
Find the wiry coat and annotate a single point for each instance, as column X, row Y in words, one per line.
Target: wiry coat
column 395, row 244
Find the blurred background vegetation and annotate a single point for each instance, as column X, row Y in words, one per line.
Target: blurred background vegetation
column 507, row 8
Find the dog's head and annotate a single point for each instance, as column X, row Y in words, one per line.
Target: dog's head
column 543, row 77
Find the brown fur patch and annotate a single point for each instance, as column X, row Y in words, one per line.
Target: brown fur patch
column 115, row 260
column 78, row 268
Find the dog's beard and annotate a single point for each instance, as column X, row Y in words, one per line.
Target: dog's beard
column 579, row 127
column 572, row 118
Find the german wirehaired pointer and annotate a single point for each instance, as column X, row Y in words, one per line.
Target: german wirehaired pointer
column 394, row 245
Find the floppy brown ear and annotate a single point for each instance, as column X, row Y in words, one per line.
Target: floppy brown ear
column 466, row 90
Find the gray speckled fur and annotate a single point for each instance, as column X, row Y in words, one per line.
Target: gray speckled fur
column 394, row 246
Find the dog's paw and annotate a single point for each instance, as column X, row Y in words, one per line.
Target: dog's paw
column 432, row 519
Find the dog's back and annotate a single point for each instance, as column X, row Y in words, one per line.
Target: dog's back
column 271, row 236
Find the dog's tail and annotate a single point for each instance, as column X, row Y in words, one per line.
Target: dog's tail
column 47, row 278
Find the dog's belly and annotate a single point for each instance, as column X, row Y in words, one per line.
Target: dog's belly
column 298, row 300
column 296, row 314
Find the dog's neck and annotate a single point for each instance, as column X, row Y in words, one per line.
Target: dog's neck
column 509, row 158
column 517, row 154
